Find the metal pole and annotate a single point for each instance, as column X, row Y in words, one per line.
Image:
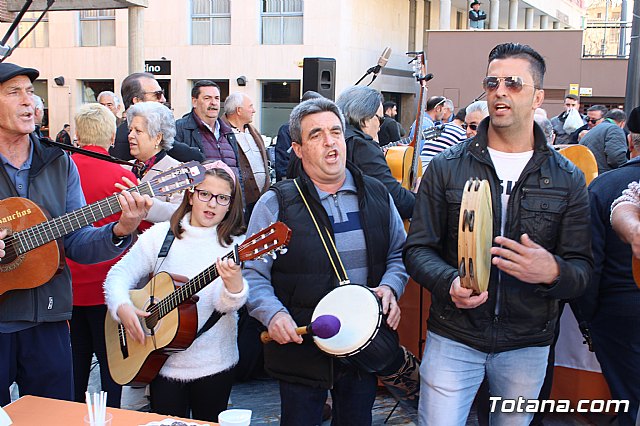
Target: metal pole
column 622, row 44
column 632, row 98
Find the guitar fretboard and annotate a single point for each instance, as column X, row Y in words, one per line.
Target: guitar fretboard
column 187, row 291
column 53, row 229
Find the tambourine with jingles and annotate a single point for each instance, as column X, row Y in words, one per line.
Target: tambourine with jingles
column 475, row 234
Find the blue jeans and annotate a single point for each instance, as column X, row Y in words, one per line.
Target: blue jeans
column 353, row 395
column 451, row 373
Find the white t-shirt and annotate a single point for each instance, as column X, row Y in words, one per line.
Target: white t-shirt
column 509, row 166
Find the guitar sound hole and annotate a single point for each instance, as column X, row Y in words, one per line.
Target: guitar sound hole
column 152, row 320
column 11, row 260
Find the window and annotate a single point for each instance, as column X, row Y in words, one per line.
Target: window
column 278, row 100
column 39, row 37
column 210, row 22
column 92, row 88
column 282, row 21
column 98, row 27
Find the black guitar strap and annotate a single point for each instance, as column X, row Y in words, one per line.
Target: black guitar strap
column 215, row 315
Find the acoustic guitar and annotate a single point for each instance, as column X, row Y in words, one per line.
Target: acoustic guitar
column 34, row 253
column 404, row 161
column 173, row 320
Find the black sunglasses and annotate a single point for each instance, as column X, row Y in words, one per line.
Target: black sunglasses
column 593, row 120
column 158, row 93
column 473, row 127
column 513, row 83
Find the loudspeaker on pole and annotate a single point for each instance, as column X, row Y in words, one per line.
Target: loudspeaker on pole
column 318, row 74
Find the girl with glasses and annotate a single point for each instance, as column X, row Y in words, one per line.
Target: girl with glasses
column 195, row 382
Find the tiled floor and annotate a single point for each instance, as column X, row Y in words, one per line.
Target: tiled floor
column 262, row 397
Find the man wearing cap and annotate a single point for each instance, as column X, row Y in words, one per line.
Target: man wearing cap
column 35, row 349
column 477, row 16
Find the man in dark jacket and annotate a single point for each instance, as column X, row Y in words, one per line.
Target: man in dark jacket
column 542, row 252
column 143, row 87
column 611, row 303
column 608, row 142
column 358, row 214
column 203, row 130
column 35, row 348
column 390, row 128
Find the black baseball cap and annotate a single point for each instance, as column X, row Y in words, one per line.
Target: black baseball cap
column 633, row 122
column 8, row 71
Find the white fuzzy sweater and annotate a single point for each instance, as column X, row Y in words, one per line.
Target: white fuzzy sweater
column 215, row 350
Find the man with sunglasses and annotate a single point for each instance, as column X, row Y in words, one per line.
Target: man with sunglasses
column 541, row 251
column 143, row 87
column 607, row 141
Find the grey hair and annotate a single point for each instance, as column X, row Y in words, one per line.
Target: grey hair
column 359, row 103
column 159, row 120
column 116, row 99
column 311, row 106
column 37, row 100
column 546, row 126
column 449, row 104
column 478, row 106
column 233, row 102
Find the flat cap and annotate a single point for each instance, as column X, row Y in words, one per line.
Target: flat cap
column 633, row 123
column 8, row 71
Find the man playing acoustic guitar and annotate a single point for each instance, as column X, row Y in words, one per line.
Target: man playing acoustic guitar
column 35, row 349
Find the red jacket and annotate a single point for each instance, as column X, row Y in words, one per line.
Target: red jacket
column 98, row 179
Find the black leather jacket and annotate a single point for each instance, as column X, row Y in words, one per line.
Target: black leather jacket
column 549, row 203
column 365, row 153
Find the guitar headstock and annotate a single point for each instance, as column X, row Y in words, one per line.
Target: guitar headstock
column 267, row 241
column 181, row 177
column 418, row 64
column 433, row 132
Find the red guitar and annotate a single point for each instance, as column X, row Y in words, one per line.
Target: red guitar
column 173, row 322
column 33, row 255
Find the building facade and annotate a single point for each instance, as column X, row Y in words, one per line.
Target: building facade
column 256, row 47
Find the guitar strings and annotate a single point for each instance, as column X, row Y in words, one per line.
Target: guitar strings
column 179, row 295
column 39, row 231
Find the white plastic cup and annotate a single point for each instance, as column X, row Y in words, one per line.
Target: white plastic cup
column 235, row 418
column 108, row 417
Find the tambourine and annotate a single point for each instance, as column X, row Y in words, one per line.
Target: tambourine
column 475, row 234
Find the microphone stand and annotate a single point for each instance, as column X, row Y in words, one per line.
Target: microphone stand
column 6, row 51
column 375, row 70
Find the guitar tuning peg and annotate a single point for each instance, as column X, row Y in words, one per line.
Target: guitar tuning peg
column 273, row 255
column 283, row 250
column 264, row 259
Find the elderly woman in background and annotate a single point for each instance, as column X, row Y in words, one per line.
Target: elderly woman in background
column 362, row 109
column 96, row 131
column 151, row 132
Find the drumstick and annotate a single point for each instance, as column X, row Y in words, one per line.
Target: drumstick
column 325, row 326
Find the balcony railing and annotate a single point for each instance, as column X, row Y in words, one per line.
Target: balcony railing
column 606, row 39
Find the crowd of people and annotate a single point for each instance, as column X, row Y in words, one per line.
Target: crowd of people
column 554, row 240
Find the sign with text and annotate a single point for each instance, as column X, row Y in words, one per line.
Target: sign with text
column 158, row 67
column 586, row 91
column 574, row 89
